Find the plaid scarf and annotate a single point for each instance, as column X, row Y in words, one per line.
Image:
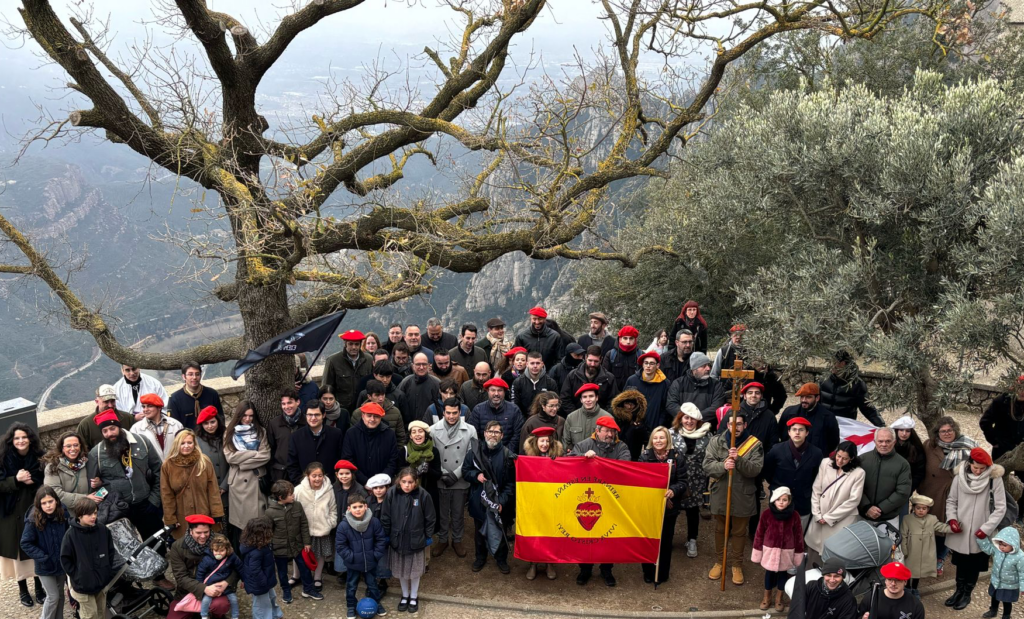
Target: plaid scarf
column 956, row 451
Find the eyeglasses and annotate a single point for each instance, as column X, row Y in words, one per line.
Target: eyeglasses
column 421, row 365
column 493, row 432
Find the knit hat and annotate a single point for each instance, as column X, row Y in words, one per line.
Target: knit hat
column 699, row 360
column 808, row 389
column 607, row 422
column 690, row 410
column 905, row 422
column 832, row 566
column 981, row 456
column 206, row 414
column 419, row 424
column 920, row 499
column 378, row 481
column 779, row 492
column 106, row 419
column 152, row 399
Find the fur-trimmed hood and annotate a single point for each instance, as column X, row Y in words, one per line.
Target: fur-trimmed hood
column 623, row 418
column 530, row 448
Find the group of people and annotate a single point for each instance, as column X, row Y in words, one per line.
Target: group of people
column 417, row 428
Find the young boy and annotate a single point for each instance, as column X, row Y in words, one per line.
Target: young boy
column 291, row 536
column 87, row 556
column 918, row 531
column 361, row 543
column 211, row 571
column 378, row 486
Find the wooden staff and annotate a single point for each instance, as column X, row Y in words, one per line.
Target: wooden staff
column 735, row 374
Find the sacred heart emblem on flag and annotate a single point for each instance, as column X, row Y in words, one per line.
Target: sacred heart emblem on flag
column 588, row 512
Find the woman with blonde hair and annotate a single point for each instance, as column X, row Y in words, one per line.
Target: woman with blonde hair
column 188, row 484
column 660, row 449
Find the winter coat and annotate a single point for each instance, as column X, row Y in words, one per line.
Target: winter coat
column 126, row 400
column 305, row 449
column 937, row 480
column 308, row 391
column 503, row 465
column 541, row 421
column 919, row 543
column 182, row 406
column 279, row 435
column 344, row 375
column 916, row 462
column 145, row 481
column 245, row 468
column 408, row 519
column 561, row 370
column 525, row 389
column 778, row 544
column 143, row 428
column 472, row 394
column 419, row 393
column 999, row 426
column 495, row 349
column 87, row 556
column 456, row 372
column 184, row 492
column 508, row 415
column 673, row 367
column 208, row 572
column 360, row 551
column 580, row 425
column 373, row 450
column 774, row 390
column 453, row 451
column 392, row 417
column 91, row 434
column 184, row 564
column 321, row 511
column 43, row 547
column 213, row 451
column 838, row 604
column 612, row 451
column 760, row 423
column 69, row 485
column 676, row 477
column 341, row 496
column 886, row 484
column 973, row 510
column 782, row 469
column 577, row 378
column 291, row 529
column 606, row 343
column 17, row 498
column 656, row 394
column 633, row 428
column 259, row 571
column 691, row 453
column 698, row 328
column 747, row 471
column 835, row 497
column 1007, row 567
column 621, row 364
column 707, row 395
column 824, row 432
column 548, row 343
column 845, row 397
column 467, row 360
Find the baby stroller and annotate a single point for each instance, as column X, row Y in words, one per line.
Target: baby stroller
column 139, row 561
column 863, row 548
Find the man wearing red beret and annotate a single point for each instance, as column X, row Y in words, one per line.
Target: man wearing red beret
column 158, row 428
column 794, row 464
column 541, row 338
column 184, row 557
column 621, row 361
column 346, row 368
column 893, row 602
column 581, row 423
column 497, row 408
column 185, row 403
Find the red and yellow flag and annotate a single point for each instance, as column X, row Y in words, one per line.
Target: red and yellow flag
column 589, row 510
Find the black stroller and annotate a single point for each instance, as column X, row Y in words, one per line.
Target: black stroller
column 863, row 548
column 140, row 561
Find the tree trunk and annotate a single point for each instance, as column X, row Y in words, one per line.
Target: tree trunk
column 264, row 311
column 928, row 408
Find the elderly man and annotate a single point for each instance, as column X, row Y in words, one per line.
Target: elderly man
column 588, row 372
column 419, row 390
column 604, row 444
column 314, row 442
column 886, row 480
column 345, row 369
column 490, row 469
column 745, row 461
column 415, row 343
column 581, row 423
column 453, row 438
column 676, row 361
column 437, row 338
column 158, row 428
column 371, row 445
column 472, row 391
column 132, row 386
column 598, row 334
column 894, row 602
column 106, row 399
column 824, row 428
column 467, row 353
column 184, row 557
column 830, row 596
column 497, row 408
column 541, row 338
column 185, row 403
column 494, row 343
column 697, row 386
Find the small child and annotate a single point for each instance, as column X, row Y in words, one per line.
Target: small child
column 378, row 486
column 1007, row 576
column 45, row 526
column 918, row 531
column 345, row 484
column 408, row 519
column 361, row 543
column 217, row 565
column 778, row 545
column 291, row 535
column 315, row 495
column 87, row 557
column 258, row 568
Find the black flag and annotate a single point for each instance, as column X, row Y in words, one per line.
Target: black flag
column 307, row 338
column 798, row 601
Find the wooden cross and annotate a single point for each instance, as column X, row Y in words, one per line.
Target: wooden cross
column 736, row 374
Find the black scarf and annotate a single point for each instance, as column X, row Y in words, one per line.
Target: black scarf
column 797, row 452
column 135, row 388
column 784, row 514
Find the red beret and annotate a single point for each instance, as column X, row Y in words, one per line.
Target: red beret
column 345, row 464
column 152, row 399
column 981, row 456
column 515, row 351
column 752, row 385
column 629, row 331
column 107, row 418
column 496, row 382
column 372, row 408
column 539, row 311
column 587, row 387
column 543, row 431
column 607, row 422
column 199, row 519
column 808, row 389
column 652, row 354
column 352, row 335
column 799, row 420
column 896, row 571
column 736, row 328
column 206, row 414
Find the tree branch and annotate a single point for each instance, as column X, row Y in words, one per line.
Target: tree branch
column 291, row 26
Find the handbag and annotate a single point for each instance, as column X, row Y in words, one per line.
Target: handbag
column 1012, row 510
column 189, row 603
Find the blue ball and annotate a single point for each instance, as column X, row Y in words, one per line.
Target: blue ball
column 366, row 608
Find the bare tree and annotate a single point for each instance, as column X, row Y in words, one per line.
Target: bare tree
column 539, row 187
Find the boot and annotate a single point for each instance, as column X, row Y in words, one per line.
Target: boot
column 40, row 592
column 992, row 609
column 458, row 548
column 966, row 599
column 439, row 549
column 716, row 572
column 737, row 576
column 26, row 599
column 780, row 601
column 1007, row 609
column 551, row 571
column 766, row 601
column 957, row 593
column 532, row 572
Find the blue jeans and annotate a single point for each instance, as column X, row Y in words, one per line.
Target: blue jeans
column 265, row 606
column 352, row 585
column 305, row 575
column 232, row 599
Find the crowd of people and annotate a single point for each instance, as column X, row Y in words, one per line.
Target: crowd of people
column 370, row 473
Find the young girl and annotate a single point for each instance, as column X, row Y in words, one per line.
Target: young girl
column 258, row 574
column 45, row 526
column 1007, row 576
column 217, row 566
column 778, row 545
column 378, row 486
column 408, row 519
column 316, row 497
column 918, row 531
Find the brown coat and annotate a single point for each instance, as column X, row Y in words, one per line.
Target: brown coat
column 458, row 374
column 184, row 493
column 937, row 480
column 244, row 470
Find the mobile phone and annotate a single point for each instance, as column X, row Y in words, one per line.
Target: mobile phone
column 101, row 493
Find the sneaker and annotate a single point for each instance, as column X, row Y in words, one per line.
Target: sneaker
column 381, row 611
column 286, row 597
column 351, row 613
column 313, row 595
column 691, row 549
column 938, row 567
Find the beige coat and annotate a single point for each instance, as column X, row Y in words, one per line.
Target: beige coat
column 69, row 485
column 919, row 543
column 971, row 508
column 244, row 497
column 835, row 496
column 319, row 506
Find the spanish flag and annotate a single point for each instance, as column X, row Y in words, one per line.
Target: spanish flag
column 589, row 510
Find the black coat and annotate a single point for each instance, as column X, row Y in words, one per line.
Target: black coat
column 304, row 449
column 447, row 342
column 700, row 333
column 471, row 394
column 845, row 398
column 838, row 604
column 16, row 498
column 87, row 556
column 502, row 463
column 999, row 427
column 279, row 437
column 706, row 395
column 673, row 367
column 43, row 547
column 760, row 423
column 524, row 390
column 576, row 379
column 561, row 370
column 418, row 394
column 780, row 469
column 548, row 343
column 182, row 406
column 774, row 391
column 373, row 451
column 470, row 360
column 824, row 432
column 621, row 365
column 677, row 476
column 508, row 415
column 408, row 519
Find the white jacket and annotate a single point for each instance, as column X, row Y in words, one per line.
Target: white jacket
column 141, row 428
column 321, row 510
column 126, row 403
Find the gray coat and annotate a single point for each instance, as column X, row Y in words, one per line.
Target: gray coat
column 145, row 465
column 69, row 485
column 216, row 456
column 243, row 482
column 613, row 451
column 453, row 450
column 972, row 509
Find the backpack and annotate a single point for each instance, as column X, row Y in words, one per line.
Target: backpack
column 1012, row 510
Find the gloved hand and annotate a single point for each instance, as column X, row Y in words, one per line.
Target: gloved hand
column 430, row 540
column 954, row 524
column 980, row 534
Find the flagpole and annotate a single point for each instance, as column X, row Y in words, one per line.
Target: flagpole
column 664, row 508
column 318, row 353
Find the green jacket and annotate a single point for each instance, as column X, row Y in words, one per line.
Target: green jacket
column 344, row 376
column 183, row 570
column 886, row 484
column 291, row 529
column 744, row 479
column 91, row 433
